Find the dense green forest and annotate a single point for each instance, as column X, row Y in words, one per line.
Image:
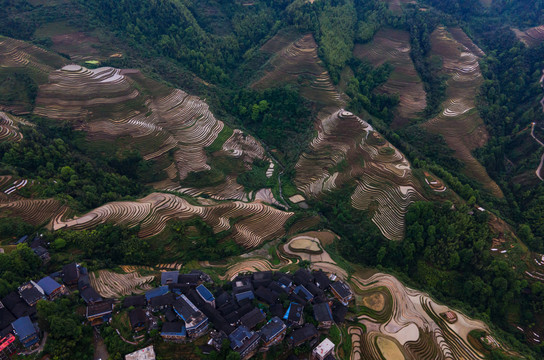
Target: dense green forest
column 57, row 158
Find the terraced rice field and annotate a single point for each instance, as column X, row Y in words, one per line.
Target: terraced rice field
column 386, row 186
column 113, row 285
column 298, row 63
column 19, row 54
column 459, row 121
column 172, row 121
column 393, row 47
column 256, row 222
column 251, row 265
column 320, row 260
column 410, row 326
column 9, row 131
column 33, row 211
column 530, row 37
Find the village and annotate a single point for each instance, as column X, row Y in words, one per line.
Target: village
column 252, row 313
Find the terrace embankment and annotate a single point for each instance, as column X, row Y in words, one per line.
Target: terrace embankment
column 136, row 113
column 530, row 37
column 459, row 122
column 252, row 223
column 408, row 324
column 298, row 63
column 393, row 47
column 347, row 148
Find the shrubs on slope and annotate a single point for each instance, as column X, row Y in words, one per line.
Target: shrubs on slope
column 50, row 154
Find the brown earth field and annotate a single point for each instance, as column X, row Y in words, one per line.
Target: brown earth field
column 296, row 62
column 133, row 112
column 346, row 148
column 252, row 223
column 530, row 37
column 459, row 122
column 393, row 47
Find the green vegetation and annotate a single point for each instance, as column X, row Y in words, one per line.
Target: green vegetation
column 195, row 240
column 361, row 90
column 220, row 140
column 105, row 246
column 68, row 337
column 17, row 267
column 279, row 115
column 255, row 179
column 17, row 88
column 54, row 156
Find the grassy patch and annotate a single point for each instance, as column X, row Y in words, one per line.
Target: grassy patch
column 255, row 178
column 220, row 140
column 272, row 252
column 340, row 167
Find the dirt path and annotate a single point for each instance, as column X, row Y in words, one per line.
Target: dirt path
column 539, row 169
column 100, row 350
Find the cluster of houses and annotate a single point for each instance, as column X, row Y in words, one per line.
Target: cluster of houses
column 18, row 315
column 254, row 312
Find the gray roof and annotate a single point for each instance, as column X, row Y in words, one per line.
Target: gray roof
column 272, row 329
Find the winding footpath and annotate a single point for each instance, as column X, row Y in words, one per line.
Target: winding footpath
column 539, row 169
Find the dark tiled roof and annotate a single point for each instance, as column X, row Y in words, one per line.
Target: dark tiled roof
column 190, row 279
column 302, row 291
column 137, row 317
column 241, row 284
column 251, row 319
column 17, row 306
column 240, row 337
column 6, row 318
column 179, row 288
column 169, row 277
column 170, row 315
column 313, row 289
column 262, row 278
column 277, row 288
column 162, row 300
column 285, row 280
column 298, row 299
column 83, row 281
column 228, row 308
column 294, row 313
column 276, row 310
column 322, row 312
column 40, row 251
column 137, row 300
column 222, row 299
column 341, row 288
column 245, row 295
column 90, row 295
column 339, row 312
column 321, row 279
column 266, row 295
column 302, row 277
column 30, row 294
column 175, row 327
column 11, row 299
column 272, row 328
column 303, row 334
column 70, row 273
column 103, row 307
